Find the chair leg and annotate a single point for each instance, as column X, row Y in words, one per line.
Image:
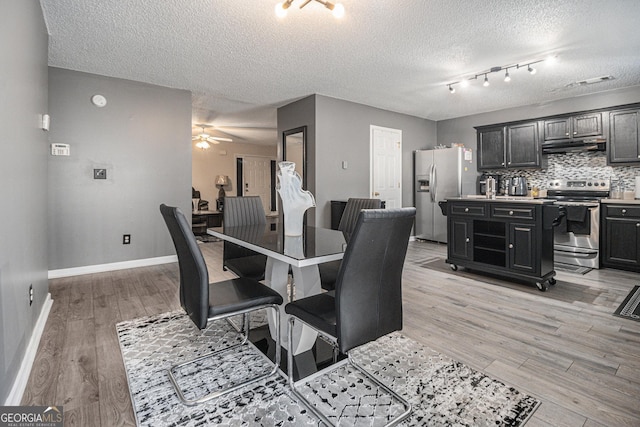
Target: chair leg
column 276, row 364
column 311, row 407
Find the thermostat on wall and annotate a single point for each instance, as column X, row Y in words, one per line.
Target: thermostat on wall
column 60, row 149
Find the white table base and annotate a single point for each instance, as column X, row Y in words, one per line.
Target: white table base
column 306, row 282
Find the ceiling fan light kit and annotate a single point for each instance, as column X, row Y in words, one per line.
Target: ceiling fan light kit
column 205, row 140
column 507, row 77
column 337, row 9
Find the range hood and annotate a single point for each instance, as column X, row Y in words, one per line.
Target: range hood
column 573, row 145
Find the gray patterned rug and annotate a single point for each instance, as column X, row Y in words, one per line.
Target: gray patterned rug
column 630, row 307
column 443, row 392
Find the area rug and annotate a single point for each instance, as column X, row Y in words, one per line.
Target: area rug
column 630, row 307
column 563, row 290
column 443, row 392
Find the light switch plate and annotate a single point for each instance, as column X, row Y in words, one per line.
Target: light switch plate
column 99, row 174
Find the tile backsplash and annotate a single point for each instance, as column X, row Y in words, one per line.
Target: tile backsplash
column 584, row 165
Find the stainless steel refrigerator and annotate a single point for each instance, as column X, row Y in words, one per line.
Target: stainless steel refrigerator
column 439, row 174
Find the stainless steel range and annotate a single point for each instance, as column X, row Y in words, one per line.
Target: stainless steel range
column 577, row 238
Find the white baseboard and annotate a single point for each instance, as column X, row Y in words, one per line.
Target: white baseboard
column 15, row 396
column 100, row 268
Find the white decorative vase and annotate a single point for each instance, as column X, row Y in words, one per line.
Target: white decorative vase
column 295, row 200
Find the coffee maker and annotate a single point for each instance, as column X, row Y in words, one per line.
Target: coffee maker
column 482, row 182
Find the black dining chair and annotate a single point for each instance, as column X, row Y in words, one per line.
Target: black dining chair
column 205, row 302
column 329, row 270
column 243, row 262
column 368, row 298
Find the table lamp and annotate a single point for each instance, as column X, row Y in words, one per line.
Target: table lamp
column 221, row 181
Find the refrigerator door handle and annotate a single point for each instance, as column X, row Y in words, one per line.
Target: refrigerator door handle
column 434, row 195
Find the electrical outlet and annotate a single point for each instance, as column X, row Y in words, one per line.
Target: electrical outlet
column 99, row 174
column 126, row 239
column 30, row 294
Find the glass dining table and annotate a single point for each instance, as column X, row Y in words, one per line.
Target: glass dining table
column 301, row 254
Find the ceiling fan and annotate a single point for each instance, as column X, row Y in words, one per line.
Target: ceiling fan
column 204, row 139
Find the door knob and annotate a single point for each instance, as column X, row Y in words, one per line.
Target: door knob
column 376, row 194
column 510, row 245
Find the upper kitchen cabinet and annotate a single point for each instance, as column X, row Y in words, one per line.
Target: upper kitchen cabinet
column 578, row 126
column 624, row 140
column 523, row 146
column 491, row 148
column 510, row 146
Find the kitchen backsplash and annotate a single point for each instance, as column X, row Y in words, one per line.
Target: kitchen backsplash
column 582, row 165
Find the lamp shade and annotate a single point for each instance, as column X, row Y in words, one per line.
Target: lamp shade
column 222, row 180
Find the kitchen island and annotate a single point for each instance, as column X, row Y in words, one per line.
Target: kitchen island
column 506, row 236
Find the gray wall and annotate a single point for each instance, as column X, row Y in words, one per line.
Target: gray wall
column 462, row 129
column 143, row 138
column 343, row 133
column 23, row 175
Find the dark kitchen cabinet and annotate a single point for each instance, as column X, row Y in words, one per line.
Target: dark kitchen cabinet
column 624, row 136
column 509, row 239
column 491, row 148
column 620, row 236
column 513, row 146
column 523, row 145
column 570, row 127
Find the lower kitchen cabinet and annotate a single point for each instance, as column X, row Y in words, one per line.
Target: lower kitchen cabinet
column 620, row 236
column 509, row 239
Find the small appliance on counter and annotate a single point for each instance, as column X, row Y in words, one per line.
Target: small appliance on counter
column 482, row 183
column 517, row 186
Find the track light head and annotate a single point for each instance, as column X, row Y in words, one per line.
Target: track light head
column 452, row 89
column 507, row 77
column 486, row 81
column 531, row 69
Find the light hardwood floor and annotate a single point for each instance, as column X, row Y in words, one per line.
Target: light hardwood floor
column 563, row 346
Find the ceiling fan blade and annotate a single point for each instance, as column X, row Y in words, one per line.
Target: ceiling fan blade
column 217, row 139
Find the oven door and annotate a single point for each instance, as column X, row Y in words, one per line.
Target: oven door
column 580, row 247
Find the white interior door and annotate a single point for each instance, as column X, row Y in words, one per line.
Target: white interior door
column 386, row 165
column 256, row 179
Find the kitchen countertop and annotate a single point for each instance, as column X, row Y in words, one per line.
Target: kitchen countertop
column 504, row 199
column 621, row 201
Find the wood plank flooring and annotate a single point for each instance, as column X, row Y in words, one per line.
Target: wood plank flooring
column 563, row 346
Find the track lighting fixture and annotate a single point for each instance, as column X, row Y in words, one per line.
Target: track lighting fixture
column 507, row 77
column 336, row 9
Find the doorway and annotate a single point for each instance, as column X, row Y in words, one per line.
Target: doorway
column 385, row 182
column 257, row 179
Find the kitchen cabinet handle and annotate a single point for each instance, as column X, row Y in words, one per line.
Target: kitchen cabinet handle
column 503, row 162
column 575, row 132
column 468, row 239
column 466, row 209
column 510, row 245
column 510, row 212
column 637, row 224
column 624, row 211
column 566, row 134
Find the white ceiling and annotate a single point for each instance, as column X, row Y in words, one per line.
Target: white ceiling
column 241, row 62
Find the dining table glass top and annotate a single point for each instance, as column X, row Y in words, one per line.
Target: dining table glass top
column 314, row 243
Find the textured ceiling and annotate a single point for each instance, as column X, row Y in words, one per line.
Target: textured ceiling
column 241, row 62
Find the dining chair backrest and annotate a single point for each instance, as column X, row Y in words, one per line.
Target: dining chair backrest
column 369, row 283
column 242, row 261
column 247, row 210
column 194, row 278
column 351, row 212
